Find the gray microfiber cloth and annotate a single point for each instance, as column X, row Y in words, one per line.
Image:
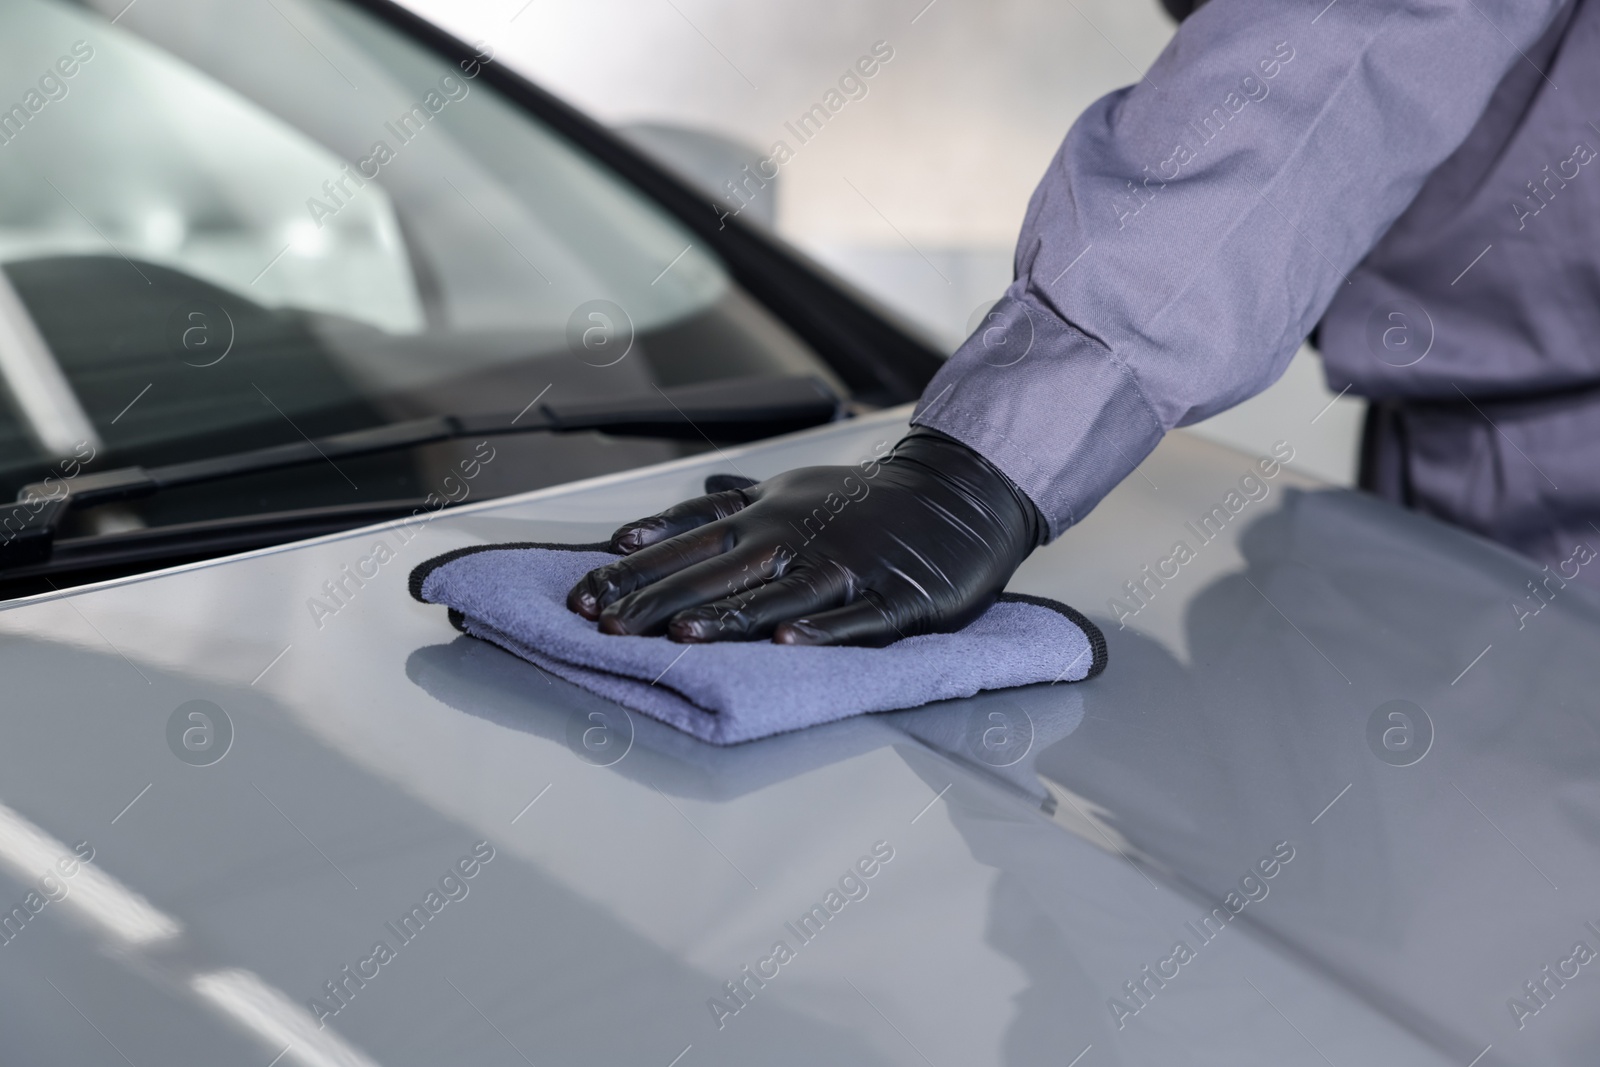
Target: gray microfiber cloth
column 514, row 595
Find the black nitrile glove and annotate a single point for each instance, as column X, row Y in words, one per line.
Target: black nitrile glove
column 922, row 542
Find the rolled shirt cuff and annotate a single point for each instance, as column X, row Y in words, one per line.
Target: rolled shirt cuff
column 1049, row 406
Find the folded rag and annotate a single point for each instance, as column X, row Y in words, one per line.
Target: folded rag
column 514, row 595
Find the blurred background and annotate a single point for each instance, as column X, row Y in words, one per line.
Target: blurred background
column 915, row 188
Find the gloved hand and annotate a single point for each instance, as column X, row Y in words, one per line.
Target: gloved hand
column 922, row 542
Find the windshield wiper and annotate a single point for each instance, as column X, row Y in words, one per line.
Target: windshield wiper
column 742, row 409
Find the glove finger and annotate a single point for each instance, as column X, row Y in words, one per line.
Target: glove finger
column 605, row 585
column 678, row 519
column 863, row 622
column 753, row 615
column 647, row 609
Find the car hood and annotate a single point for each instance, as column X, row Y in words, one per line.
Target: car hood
column 1333, row 800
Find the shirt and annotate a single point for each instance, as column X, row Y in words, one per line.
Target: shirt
column 1418, row 176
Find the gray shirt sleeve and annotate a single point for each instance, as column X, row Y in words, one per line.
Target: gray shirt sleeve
column 1194, row 226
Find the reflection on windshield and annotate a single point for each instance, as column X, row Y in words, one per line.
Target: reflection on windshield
column 293, row 190
column 239, row 223
column 205, row 180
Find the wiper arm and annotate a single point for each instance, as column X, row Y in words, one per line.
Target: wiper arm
column 731, row 410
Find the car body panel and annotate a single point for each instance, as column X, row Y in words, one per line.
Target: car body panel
column 1048, row 844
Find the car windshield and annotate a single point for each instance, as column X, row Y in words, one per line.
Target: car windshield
column 228, row 224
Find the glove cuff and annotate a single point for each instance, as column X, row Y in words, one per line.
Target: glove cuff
column 948, row 458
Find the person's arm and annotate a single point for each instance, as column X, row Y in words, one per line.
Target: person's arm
column 1193, row 227
column 1187, row 237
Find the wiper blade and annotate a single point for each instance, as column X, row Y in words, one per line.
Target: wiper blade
column 741, row 409
column 76, row 560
